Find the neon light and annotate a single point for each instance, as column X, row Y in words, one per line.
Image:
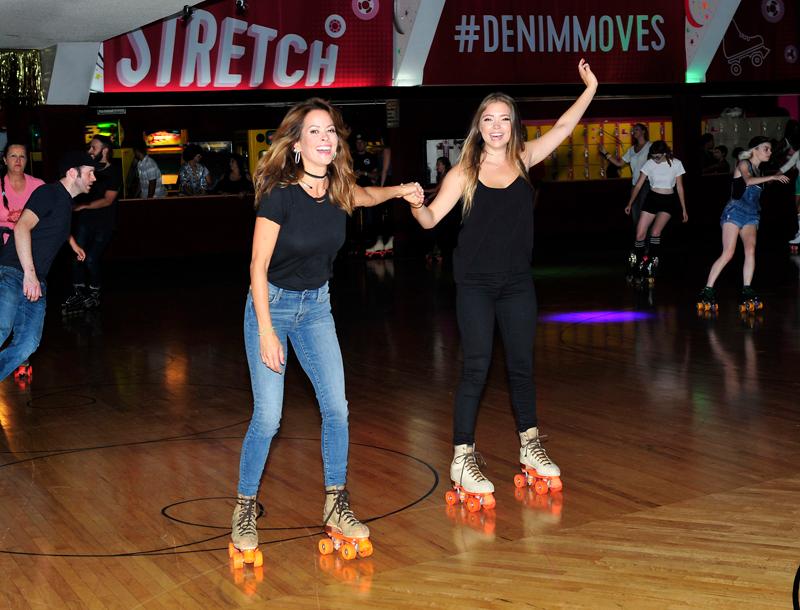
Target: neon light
column 597, row 317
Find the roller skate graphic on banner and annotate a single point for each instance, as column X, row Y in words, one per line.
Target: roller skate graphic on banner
column 740, row 46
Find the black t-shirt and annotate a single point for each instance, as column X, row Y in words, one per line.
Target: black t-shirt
column 310, row 236
column 52, row 204
column 107, row 179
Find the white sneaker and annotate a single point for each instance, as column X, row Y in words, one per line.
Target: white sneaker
column 533, row 455
column 796, row 240
column 464, row 471
column 389, row 245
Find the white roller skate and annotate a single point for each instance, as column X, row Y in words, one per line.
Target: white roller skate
column 345, row 533
column 537, row 467
column 469, row 484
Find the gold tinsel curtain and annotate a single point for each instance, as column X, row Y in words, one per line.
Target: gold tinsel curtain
column 21, row 77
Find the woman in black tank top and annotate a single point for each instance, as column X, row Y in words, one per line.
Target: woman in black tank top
column 740, row 219
column 491, row 265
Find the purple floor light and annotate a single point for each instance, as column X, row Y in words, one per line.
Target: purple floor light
column 596, row 317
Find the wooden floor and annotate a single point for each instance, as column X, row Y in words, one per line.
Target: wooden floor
column 678, row 437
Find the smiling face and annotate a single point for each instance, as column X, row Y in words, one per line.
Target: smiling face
column 495, row 125
column 16, row 158
column 318, row 141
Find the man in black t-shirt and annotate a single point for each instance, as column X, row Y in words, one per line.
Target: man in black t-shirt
column 42, row 229
column 95, row 220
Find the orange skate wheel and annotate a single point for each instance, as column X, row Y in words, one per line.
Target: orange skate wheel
column 326, row 546
column 473, row 504
column 520, row 480
column 489, row 501
column 258, row 559
column 365, row 548
column 231, row 549
column 348, row 551
column 249, row 555
column 540, row 487
column 556, row 484
column 451, row 498
column 238, row 561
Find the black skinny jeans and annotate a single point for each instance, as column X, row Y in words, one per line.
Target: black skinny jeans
column 94, row 240
column 480, row 299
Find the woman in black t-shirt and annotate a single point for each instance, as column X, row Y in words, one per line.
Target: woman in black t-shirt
column 491, row 265
column 305, row 188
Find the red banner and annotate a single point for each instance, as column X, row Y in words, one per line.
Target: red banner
column 518, row 41
column 272, row 45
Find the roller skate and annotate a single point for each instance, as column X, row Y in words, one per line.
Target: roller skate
column 749, row 301
column 243, row 547
column 24, row 371
column 377, row 249
column 434, row 256
column 470, row 487
column 647, row 270
column 633, row 267
column 92, row 300
column 345, row 533
column 23, row 375
column 794, row 243
column 75, row 302
column 538, row 469
column 388, row 248
column 707, row 300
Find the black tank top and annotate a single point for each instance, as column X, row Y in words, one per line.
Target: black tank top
column 738, row 185
column 497, row 234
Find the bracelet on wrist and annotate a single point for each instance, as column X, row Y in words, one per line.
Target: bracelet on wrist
column 267, row 331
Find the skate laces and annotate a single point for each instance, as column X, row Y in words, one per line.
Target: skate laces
column 472, row 462
column 246, row 523
column 341, row 506
column 534, row 449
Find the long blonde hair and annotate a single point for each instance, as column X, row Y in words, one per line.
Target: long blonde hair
column 278, row 168
column 471, row 152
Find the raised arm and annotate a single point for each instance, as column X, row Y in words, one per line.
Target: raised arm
column 452, row 188
column 538, row 149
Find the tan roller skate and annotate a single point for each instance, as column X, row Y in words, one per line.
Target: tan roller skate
column 538, row 469
column 243, row 547
column 345, row 533
column 469, row 485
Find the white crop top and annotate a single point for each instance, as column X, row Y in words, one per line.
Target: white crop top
column 663, row 175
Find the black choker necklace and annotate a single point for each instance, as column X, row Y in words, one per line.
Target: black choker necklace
column 307, row 173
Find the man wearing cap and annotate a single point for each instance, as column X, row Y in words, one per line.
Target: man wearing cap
column 42, row 229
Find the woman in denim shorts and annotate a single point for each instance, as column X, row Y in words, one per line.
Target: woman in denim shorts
column 740, row 220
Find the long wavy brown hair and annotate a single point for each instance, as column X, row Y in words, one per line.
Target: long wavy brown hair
column 277, row 166
column 472, row 151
